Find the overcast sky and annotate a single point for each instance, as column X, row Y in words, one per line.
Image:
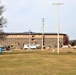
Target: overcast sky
column 23, row 15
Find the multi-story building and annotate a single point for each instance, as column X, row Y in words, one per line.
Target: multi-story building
column 19, row 39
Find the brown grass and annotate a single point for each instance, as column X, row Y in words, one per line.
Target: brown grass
column 37, row 62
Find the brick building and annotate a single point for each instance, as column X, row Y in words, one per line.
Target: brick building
column 19, row 39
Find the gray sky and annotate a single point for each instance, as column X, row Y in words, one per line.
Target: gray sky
column 23, row 15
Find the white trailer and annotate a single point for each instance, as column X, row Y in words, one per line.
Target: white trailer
column 32, row 46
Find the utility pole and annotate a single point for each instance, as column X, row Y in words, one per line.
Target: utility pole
column 29, row 40
column 42, row 33
column 58, row 29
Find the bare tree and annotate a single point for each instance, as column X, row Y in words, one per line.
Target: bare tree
column 2, row 19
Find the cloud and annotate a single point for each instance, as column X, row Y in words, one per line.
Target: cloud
column 27, row 14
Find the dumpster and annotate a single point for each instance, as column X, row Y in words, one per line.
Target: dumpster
column 0, row 50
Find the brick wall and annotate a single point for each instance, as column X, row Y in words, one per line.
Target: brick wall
column 19, row 39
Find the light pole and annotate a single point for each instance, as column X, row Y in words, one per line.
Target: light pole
column 58, row 29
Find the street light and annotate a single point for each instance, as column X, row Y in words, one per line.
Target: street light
column 58, row 25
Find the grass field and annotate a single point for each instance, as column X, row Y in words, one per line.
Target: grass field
column 37, row 62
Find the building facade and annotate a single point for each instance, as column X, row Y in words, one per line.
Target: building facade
column 19, row 39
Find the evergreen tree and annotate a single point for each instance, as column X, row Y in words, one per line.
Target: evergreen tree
column 66, row 40
column 2, row 19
